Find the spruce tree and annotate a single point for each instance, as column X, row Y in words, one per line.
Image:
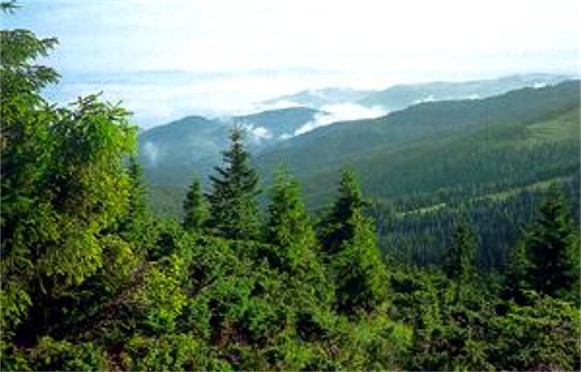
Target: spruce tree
column 360, row 275
column 552, row 248
column 516, row 274
column 136, row 225
column 350, row 242
column 338, row 225
column 459, row 260
column 64, row 188
column 196, row 212
column 233, row 209
column 292, row 245
column 288, row 227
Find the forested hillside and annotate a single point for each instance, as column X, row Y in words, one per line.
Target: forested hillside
column 490, row 160
column 171, row 153
column 92, row 280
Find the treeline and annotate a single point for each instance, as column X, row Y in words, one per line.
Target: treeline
column 92, row 280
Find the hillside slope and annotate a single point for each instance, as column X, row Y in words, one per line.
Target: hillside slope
column 442, row 145
column 172, row 153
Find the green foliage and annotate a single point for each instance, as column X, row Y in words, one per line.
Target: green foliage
column 52, row 355
column 552, row 248
column 338, row 224
column 63, row 189
column 542, row 336
column 171, row 352
column 233, row 209
column 137, row 225
column 196, row 211
column 288, row 228
column 360, row 275
column 516, row 276
column 459, row 262
column 161, row 298
column 350, row 244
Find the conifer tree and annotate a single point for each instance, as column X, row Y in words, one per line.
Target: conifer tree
column 338, row 225
column 459, row 260
column 63, row 185
column 137, row 224
column 196, row 212
column 552, row 247
column 516, row 274
column 233, row 209
column 360, row 274
column 350, row 241
column 288, row 227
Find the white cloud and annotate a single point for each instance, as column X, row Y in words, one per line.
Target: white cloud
column 455, row 36
column 359, row 44
column 341, row 112
column 257, row 134
column 151, row 152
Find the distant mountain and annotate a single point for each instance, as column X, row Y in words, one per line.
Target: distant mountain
column 277, row 124
column 439, row 146
column 318, row 98
column 171, row 153
column 402, row 96
column 490, row 160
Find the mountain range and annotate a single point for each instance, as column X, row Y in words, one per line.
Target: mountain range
column 172, row 153
column 514, row 138
column 400, row 96
column 491, row 157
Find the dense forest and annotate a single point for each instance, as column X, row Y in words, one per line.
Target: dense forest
column 91, row 279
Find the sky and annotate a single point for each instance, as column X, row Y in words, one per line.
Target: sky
column 167, row 59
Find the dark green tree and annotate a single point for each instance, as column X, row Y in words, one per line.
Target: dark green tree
column 552, row 247
column 459, row 260
column 196, row 211
column 337, row 226
column 350, row 243
column 137, row 225
column 233, row 210
column 360, row 275
column 288, row 228
column 516, row 274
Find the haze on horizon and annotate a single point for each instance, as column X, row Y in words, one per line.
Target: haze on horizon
column 166, row 59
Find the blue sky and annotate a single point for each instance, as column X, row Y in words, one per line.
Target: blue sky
column 169, row 58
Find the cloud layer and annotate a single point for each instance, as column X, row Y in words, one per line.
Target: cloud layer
column 340, row 112
column 244, row 52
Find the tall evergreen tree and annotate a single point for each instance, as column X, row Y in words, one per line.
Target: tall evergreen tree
column 350, row 242
column 516, row 274
column 338, row 225
column 292, row 245
column 136, row 225
column 552, row 247
column 459, row 260
column 196, row 212
column 233, row 209
column 288, row 227
column 360, row 275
